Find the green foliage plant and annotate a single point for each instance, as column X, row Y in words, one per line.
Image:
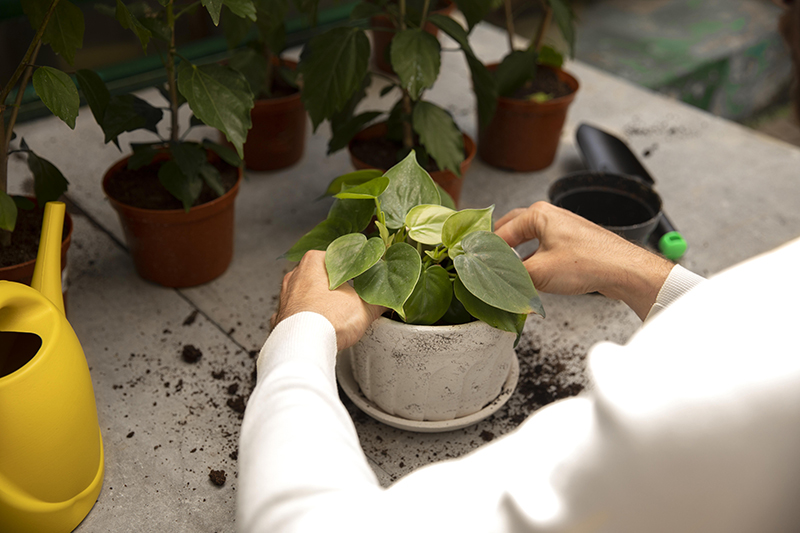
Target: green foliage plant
column 425, row 261
column 58, row 23
column 218, row 96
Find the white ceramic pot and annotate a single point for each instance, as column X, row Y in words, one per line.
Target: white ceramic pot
column 432, row 372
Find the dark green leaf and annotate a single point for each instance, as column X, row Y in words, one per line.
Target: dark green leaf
column 431, row 297
column 214, row 7
column 351, row 255
column 457, row 313
column 351, row 179
column 319, row 238
column 189, row 157
column 492, row 272
column 8, row 212
column 271, row 14
column 409, row 186
column 517, row 68
column 211, row 176
column 95, row 92
column 48, row 182
column 550, row 56
column 474, row 10
column 64, row 32
column 333, row 66
column 485, row 88
column 220, row 97
column 358, row 213
column 416, row 58
column 341, row 117
column 345, row 132
column 179, row 185
column 143, row 155
column 242, row 8
column 224, row 153
column 565, row 19
column 253, row 67
column 451, row 28
column 365, row 191
column 439, row 135
column 386, row 90
column 24, row 203
column 235, row 28
column 128, row 113
column 392, row 279
column 365, row 10
column 497, row 318
column 158, row 27
column 58, row 93
column 129, row 22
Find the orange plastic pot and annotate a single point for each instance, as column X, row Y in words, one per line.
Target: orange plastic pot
column 278, row 136
column 523, row 135
column 446, row 179
column 172, row 247
column 382, row 37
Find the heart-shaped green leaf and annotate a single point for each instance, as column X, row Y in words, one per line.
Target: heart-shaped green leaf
column 439, row 135
column 416, row 57
column 424, row 223
column 497, row 318
column 492, row 272
column 352, row 179
column 431, row 297
column 365, row 191
column 64, row 31
column 58, row 93
column 351, row 255
column 48, row 182
column 184, row 188
column 8, row 212
column 409, row 186
column 464, row 222
column 392, row 279
column 357, row 212
column 319, row 238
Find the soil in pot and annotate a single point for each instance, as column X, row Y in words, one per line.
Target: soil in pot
column 25, row 239
column 380, row 152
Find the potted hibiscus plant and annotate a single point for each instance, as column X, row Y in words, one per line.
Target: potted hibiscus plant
column 174, row 197
column 277, row 138
column 457, row 294
column 58, row 23
column 334, row 67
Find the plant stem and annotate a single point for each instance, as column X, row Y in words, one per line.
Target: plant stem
column 20, row 93
column 543, row 27
column 509, row 24
column 171, row 78
column 425, row 8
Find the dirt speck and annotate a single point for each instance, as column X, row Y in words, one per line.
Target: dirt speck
column 236, row 403
column 233, row 388
column 129, row 435
column 191, row 354
column 191, row 318
column 217, row 477
column 487, row 435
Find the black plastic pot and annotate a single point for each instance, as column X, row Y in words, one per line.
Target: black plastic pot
column 623, row 204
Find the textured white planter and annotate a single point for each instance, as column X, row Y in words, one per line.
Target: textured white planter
column 432, row 372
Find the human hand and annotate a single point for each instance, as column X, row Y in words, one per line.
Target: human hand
column 306, row 289
column 576, row 256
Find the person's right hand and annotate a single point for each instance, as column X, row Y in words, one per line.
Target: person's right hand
column 576, row 256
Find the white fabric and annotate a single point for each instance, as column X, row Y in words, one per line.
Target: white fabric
column 679, row 282
column 693, row 426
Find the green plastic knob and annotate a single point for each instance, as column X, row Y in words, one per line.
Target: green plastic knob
column 672, row 245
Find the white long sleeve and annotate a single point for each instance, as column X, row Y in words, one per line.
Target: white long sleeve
column 693, row 426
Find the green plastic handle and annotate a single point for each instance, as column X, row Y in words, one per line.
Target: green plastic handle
column 672, row 245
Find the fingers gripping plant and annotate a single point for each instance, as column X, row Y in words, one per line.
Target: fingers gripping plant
column 218, row 96
column 58, row 23
column 426, row 262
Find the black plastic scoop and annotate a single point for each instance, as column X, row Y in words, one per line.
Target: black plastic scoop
column 603, row 152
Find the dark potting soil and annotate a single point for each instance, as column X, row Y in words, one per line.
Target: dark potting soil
column 25, row 238
column 547, row 82
column 191, row 354
column 217, row 477
column 382, row 153
column 141, row 188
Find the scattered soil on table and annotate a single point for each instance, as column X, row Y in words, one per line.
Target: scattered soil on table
column 142, row 188
column 191, row 318
column 233, row 388
column 380, row 152
column 25, row 238
column 217, row 477
column 237, row 403
column 546, row 81
column 191, row 354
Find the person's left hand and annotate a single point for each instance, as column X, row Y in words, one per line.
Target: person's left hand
column 306, row 289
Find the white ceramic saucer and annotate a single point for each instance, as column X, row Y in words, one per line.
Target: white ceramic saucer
column 344, row 374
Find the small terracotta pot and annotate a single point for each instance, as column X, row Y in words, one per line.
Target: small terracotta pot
column 278, row 136
column 382, row 38
column 445, row 178
column 523, row 135
column 175, row 248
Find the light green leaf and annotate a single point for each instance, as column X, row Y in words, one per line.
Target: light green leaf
column 497, row 318
column 431, row 297
column 129, row 22
column 416, row 58
column 220, row 97
column 319, row 238
column 64, row 32
column 369, row 190
column 214, row 7
column 95, row 92
column 351, row 179
column 58, row 92
column 492, row 272
column 357, row 212
column 517, row 67
column 464, row 222
column 424, row 223
column 346, row 130
column 439, row 135
column 48, row 182
column 409, row 186
column 8, row 212
column 182, row 187
column 351, row 255
column 392, row 279
column 334, row 65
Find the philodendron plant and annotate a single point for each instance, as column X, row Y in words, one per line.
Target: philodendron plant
column 427, row 262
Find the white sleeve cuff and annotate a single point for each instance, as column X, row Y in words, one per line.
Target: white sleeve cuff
column 679, row 282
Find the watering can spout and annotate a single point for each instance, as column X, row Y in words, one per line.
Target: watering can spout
column 47, row 273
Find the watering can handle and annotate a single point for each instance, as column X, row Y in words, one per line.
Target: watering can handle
column 47, row 273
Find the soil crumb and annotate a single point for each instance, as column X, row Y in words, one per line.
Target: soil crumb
column 191, row 318
column 191, row 354
column 237, row 403
column 129, row 435
column 218, row 374
column 487, row 435
column 217, row 477
column 233, row 388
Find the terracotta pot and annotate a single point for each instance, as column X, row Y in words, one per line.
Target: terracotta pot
column 382, row 38
column 175, row 248
column 278, row 136
column 432, row 372
column 523, row 135
column 446, row 179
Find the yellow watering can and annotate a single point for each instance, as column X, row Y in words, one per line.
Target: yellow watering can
column 51, row 451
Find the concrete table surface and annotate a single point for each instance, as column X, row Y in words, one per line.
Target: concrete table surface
column 167, row 423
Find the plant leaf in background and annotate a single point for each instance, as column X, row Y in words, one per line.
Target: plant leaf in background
column 190, row 157
column 8, row 212
column 58, row 92
column 333, row 66
column 95, row 92
column 179, row 185
column 235, row 28
column 365, row 10
column 319, row 238
column 474, row 10
column 357, row 212
column 143, row 155
column 224, row 152
column 497, row 318
column 48, row 182
column 392, row 279
column 212, row 177
column 345, row 131
column 565, row 19
column 220, row 97
column 550, row 56
column 64, row 32
column 464, row 222
column 243, row 8
column 365, row 191
column 409, row 186
column 517, row 67
column 127, row 112
column 351, row 179
column 214, row 8
column 431, row 297
column 492, row 272
column 351, row 255
column 439, row 135
column 252, row 65
column 424, row 223
column 416, row 57
column 130, row 22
